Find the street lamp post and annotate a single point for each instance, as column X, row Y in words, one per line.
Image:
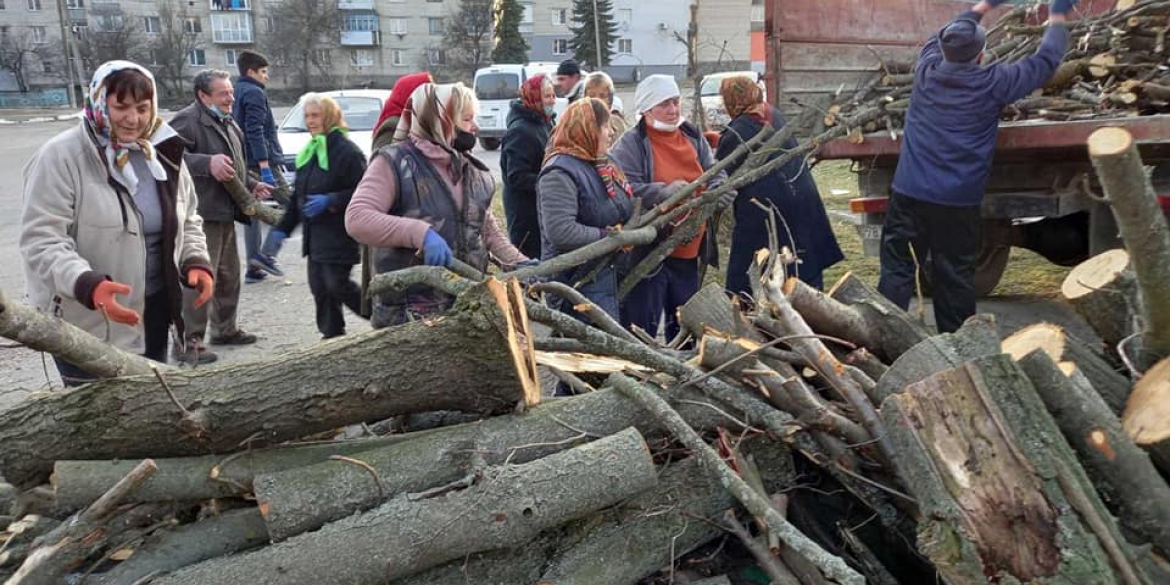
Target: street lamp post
column 597, row 34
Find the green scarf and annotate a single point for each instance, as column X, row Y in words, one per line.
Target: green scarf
column 316, row 147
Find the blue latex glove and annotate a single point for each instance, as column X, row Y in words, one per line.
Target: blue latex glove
column 1062, row 6
column 315, row 205
column 436, row 252
column 528, row 262
column 267, row 176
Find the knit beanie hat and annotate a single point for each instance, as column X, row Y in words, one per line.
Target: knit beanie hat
column 654, row 90
column 568, row 67
column 963, row 40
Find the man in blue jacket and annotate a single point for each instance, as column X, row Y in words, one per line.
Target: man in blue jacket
column 947, row 148
column 254, row 116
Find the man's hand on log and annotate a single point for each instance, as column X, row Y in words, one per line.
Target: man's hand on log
column 222, row 168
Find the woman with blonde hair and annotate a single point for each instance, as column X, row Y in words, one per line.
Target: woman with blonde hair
column 600, row 85
column 329, row 168
column 426, row 200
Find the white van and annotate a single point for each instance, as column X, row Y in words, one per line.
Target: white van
column 496, row 86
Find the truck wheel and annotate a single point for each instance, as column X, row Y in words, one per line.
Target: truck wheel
column 489, row 143
column 989, row 268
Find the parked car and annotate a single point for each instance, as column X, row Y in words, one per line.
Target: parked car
column 361, row 108
column 713, row 110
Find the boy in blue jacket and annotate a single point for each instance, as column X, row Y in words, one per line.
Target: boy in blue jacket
column 254, row 117
column 947, row 148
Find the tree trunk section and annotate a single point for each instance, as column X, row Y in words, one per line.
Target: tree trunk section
column 711, row 308
column 1147, row 416
column 367, row 377
column 829, row 316
column 1069, row 352
column 975, row 338
column 169, row 550
column 38, row 331
column 1143, row 228
column 1122, row 472
column 512, row 504
column 305, row 498
column 249, row 205
column 77, row 483
column 1103, row 290
column 896, row 333
column 988, row 467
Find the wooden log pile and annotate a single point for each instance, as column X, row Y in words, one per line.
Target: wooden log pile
column 1116, row 66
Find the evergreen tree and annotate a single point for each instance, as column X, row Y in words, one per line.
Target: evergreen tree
column 585, row 38
column 510, row 46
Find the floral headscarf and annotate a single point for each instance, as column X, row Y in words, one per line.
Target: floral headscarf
column 430, row 114
column 531, row 94
column 742, row 95
column 117, row 148
column 400, row 94
column 578, row 135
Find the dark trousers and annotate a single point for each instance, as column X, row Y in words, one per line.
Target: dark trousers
column 156, row 323
column 674, row 284
column 949, row 235
column 332, row 289
column 225, row 261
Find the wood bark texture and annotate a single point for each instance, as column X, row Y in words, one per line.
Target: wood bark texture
column 1103, row 290
column 1069, row 353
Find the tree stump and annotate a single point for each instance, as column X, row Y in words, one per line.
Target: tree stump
column 1147, row 416
column 896, row 331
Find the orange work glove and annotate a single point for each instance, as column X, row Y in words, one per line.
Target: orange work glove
column 201, row 281
column 103, row 299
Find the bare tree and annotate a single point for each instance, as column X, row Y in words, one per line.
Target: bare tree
column 24, row 54
column 467, row 37
column 177, row 37
column 110, row 37
column 305, row 36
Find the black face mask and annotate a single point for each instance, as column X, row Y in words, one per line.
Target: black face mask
column 464, row 141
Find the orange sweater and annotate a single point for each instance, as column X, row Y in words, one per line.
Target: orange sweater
column 675, row 159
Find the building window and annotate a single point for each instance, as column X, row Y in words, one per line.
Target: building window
column 231, row 27
column 40, row 35
column 626, row 15
column 560, row 46
column 397, row 26
column 229, row 57
column 2, row 7
column 197, row 58
column 109, row 22
column 437, row 56
column 360, row 22
column 269, row 24
column 192, row 25
column 397, row 57
column 560, row 16
column 34, row 5
column 152, row 24
column 526, row 16
column 322, row 56
column 74, row 4
column 626, row 46
column 47, row 65
column 230, row 5
column 436, row 26
column 361, row 58
column 757, row 13
column 4, row 30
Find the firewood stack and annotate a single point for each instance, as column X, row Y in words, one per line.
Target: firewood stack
column 1116, row 66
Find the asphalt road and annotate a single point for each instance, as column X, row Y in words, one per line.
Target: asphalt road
column 280, row 311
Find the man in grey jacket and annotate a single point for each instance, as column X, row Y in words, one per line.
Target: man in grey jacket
column 216, row 156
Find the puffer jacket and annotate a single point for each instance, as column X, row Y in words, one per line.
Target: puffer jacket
column 78, row 229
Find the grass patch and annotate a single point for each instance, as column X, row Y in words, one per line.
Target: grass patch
column 1028, row 274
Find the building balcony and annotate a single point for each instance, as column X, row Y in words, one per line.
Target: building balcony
column 230, row 4
column 355, row 4
column 360, row 38
column 231, row 28
column 77, row 16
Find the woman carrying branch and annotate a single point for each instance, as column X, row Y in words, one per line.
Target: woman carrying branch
column 109, row 211
column 583, row 196
column 426, row 200
column 328, row 170
column 789, row 193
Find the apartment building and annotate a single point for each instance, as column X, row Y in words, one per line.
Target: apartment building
column 31, row 29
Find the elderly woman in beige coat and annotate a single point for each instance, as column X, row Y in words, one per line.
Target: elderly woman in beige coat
column 110, row 229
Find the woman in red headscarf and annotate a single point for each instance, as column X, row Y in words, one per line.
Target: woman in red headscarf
column 529, row 123
column 388, row 121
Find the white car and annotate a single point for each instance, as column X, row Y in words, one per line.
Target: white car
column 361, row 108
column 713, row 110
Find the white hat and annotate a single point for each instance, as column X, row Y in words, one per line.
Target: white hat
column 654, row 90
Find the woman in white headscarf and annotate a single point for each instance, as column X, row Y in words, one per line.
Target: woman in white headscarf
column 426, row 200
column 109, row 231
